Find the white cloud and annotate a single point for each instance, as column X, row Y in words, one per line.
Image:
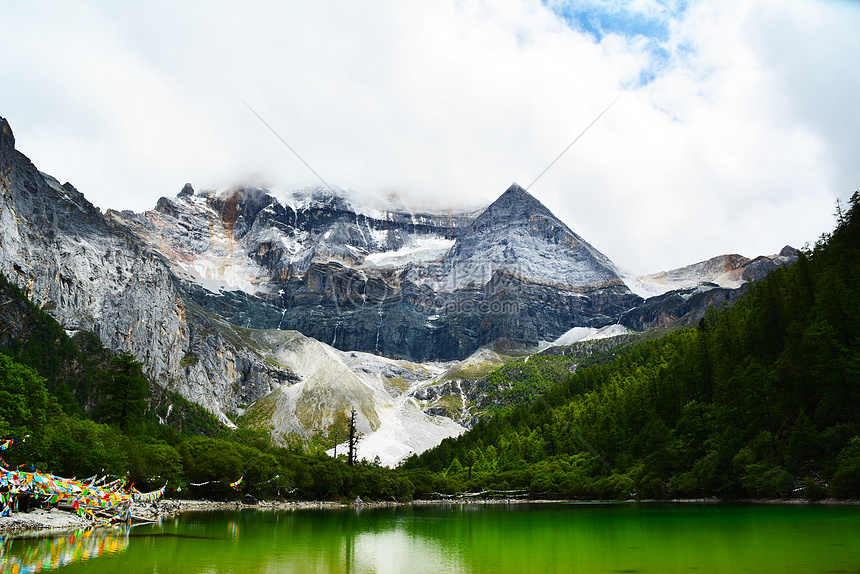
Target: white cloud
column 741, row 143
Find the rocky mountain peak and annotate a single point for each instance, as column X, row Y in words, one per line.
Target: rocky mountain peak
column 518, row 235
column 789, row 251
column 517, row 191
column 514, row 206
column 187, row 191
column 7, row 141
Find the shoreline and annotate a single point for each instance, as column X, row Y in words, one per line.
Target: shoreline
column 41, row 522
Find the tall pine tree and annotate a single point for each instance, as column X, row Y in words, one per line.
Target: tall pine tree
column 124, row 392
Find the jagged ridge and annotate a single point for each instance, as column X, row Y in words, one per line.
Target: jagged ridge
column 413, row 285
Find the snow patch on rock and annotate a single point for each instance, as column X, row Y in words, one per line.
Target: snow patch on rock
column 578, row 334
column 407, row 430
column 419, row 250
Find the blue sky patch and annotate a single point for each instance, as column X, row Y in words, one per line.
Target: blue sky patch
column 599, row 18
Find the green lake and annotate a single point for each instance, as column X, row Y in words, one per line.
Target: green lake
column 464, row 538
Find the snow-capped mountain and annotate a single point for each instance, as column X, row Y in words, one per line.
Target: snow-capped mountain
column 252, row 240
column 419, row 286
column 294, row 307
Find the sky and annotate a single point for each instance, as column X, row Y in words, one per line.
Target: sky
column 736, row 131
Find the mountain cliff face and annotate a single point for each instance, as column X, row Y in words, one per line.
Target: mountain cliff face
column 92, row 274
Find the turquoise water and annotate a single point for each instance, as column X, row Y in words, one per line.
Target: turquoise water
column 626, row 537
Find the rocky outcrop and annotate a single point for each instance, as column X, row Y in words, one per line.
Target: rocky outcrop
column 7, row 143
column 759, row 267
column 680, row 307
column 380, row 390
column 685, row 294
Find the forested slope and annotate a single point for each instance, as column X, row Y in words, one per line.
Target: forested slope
column 760, row 400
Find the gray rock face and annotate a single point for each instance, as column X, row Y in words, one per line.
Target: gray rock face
column 519, row 236
column 92, row 274
column 681, row 307
column 759, row 267
column 7, row 142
